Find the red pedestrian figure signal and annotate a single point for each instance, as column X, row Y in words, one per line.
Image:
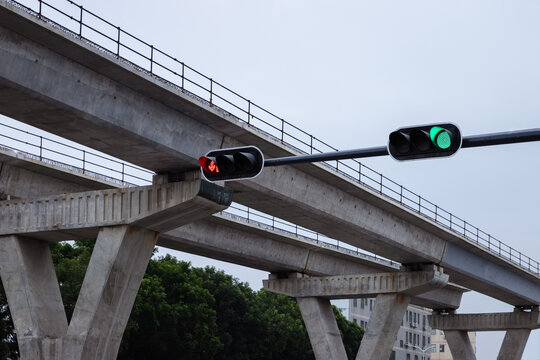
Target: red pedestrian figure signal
column 232, row 164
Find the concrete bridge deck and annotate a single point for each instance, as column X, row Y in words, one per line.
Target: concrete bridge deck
column 225, row 237
column 66, row 86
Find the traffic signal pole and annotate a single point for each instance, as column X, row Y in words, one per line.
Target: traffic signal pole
column 509, row 137
column 336, row 155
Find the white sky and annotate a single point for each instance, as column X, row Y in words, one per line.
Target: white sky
column 350, row 72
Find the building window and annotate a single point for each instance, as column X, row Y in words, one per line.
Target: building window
column 441, row 348
column 415, row 357
column 355, row 303
column 408, row 356
column 355, row 321
column 401, row 343
column 433, row 349
column 433, row 332
column 371, row 304
column 393, row 355
column 423, row 341
column 362, row 303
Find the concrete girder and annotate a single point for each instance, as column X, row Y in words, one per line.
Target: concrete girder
column 393, row 294
column 65, row 81
column 71, row 216
column 223, row 238
column 517, row 324
column 486, row 322
column 364, row 285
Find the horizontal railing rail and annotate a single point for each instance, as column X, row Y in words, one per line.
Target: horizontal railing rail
column 77, row 21
column 35, row 147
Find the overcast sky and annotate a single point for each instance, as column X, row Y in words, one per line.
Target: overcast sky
column 350, row 72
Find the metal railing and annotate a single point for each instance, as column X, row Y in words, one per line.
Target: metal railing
column 116, row 42
column 74, row 158
column 77, row 159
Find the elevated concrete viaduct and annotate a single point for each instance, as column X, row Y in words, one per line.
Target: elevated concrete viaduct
column 26, row 267
column 53, row 80
column 63, row 85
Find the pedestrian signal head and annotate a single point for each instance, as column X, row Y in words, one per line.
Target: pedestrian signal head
column 232, row 164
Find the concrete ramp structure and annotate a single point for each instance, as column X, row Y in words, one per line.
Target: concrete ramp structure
column 58, row 80
column 126, row 223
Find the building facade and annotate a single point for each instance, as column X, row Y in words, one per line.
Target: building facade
column 415, row 340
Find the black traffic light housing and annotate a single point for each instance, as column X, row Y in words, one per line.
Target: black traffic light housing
column 232, row 164
column 424, row 141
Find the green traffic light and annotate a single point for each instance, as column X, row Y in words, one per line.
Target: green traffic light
column 440, row 137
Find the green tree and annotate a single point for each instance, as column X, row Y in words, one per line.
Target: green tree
column 351, row 333
column 183, row 312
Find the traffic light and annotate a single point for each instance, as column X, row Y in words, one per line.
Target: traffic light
column 232, row 164
column 424, row 141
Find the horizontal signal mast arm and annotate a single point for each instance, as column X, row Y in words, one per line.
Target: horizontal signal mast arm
column 508, row 137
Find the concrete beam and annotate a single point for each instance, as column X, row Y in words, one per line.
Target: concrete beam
column 56, row 78
column 33, row 295
column 260, row 247
column 157, row 207
column 383, row 326
column 27, row 177
column 354, row 286
column 460, row 345
column 322, row 328
column 486, row 322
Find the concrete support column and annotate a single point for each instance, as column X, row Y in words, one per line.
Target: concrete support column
column 514, row 344
column 322, row 328
column 383, row 326
column 460, row 344
column 33, row 295
column 114, row 274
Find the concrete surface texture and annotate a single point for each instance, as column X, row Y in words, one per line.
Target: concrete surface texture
column 322, row 328
column 514, row 343
column 156, row 207
column 460, row 344
column 487, row 322
column 56, row 78
column 354, row 286
column 224, row 238
column 383, row 326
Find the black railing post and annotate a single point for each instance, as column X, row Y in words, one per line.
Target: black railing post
column 39, row 13
column 83, row 161
column 41, row 148
column 249, row 110
column 211, row 89
column 282, row 129
column 118, row 42
column 122, row 172
column 80, row 21
column 183, row 65
column 151, row 59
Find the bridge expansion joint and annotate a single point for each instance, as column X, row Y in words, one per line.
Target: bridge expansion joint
column 362, row 285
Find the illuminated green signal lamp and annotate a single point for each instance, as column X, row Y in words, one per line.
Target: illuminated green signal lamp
column 424, row 141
